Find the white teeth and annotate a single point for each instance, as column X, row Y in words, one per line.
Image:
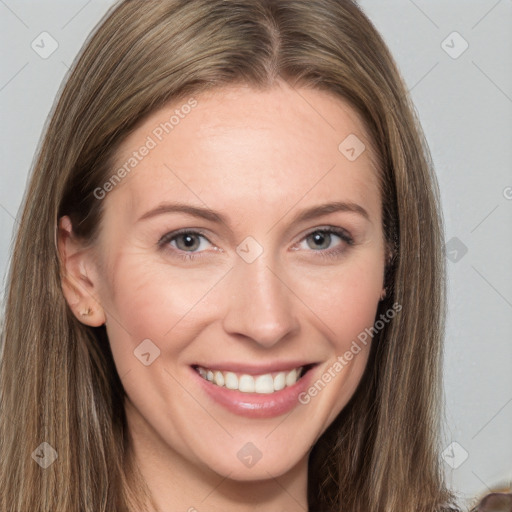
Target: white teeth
column 246, row 383
column 291, row 377
column 280, row 381
column 219, row 378
column 231, row 380
column 263, row 384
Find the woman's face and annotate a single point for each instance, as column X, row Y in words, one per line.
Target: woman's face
column 242, row 245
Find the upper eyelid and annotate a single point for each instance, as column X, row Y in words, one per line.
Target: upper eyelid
column 167, row 237
column 329, row 229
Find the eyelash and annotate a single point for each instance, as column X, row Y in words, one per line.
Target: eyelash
column 323, row 253
column 338, row 250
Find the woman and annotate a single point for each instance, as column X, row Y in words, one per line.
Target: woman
column 227, row 290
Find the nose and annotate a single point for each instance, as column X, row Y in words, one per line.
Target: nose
column 261, row 305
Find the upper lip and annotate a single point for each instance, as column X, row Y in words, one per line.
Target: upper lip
column 252, row 369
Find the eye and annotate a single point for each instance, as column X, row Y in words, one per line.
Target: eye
column 185, row 241
column 326, row 239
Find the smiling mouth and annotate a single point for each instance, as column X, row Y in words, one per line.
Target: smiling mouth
column 266, row 383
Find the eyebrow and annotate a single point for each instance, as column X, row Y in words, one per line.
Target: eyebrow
column 208, row 214
column 325, row 209
column 195, row 211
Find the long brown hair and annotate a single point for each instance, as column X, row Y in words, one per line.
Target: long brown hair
column 59, row 384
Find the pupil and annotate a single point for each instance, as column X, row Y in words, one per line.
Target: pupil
column 321, row 240
column 189, row 241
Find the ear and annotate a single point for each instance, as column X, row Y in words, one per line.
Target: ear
column 78, row 276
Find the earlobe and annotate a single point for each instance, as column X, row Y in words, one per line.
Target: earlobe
column 93, row 317
column 79, row 290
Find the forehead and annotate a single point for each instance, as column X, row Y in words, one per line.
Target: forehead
column 227, row 145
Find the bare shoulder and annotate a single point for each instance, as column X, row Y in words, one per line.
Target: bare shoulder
column 495, row 502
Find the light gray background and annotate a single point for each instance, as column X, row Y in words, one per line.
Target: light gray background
column 465, row 106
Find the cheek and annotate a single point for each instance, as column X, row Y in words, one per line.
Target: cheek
column 352, row 308
column 152, row 302
column 345, row 306
column 346, row 303
column 346, row 298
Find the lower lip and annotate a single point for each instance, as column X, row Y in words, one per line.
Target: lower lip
column 257, row 405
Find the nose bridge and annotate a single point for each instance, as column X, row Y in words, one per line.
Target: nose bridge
column 260, row 307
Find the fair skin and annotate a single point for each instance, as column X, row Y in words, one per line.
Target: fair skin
column 258, row 159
